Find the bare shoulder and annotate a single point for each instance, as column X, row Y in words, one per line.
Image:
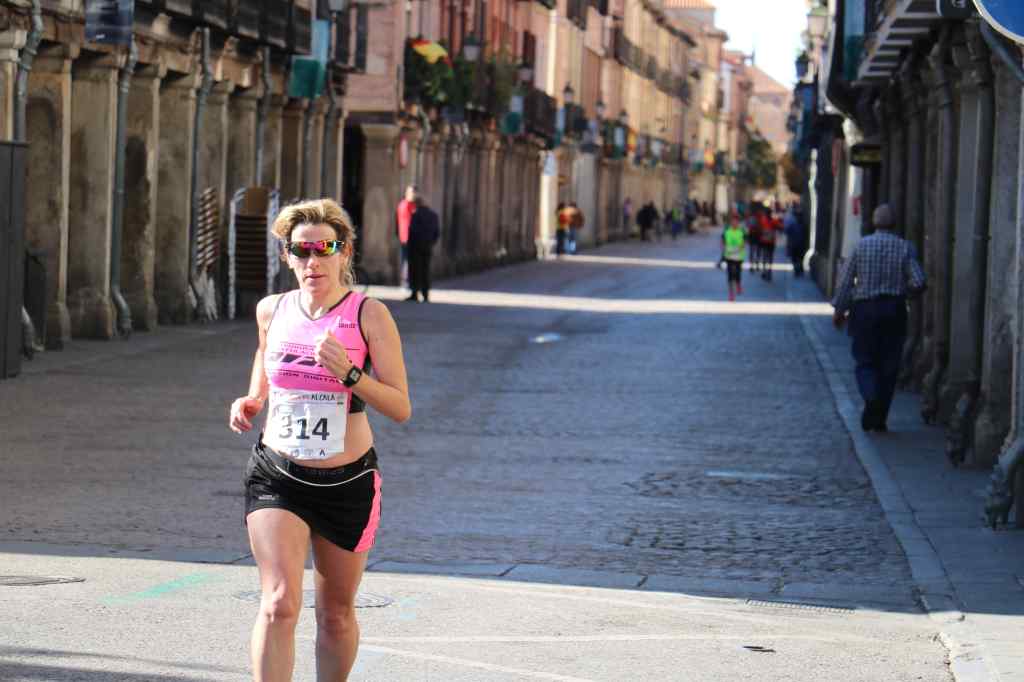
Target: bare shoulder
column 376, row 318
column 265, row 309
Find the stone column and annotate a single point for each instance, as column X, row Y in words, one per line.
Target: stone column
column 11, row 42
column 314, row 151
column 48, row 185
column 93, row 120
column 914, row 115
column 241, row 134
column 1001, row 309
column 273, row 141
column 940, row 238
column 292, row 150
column 141, row 181
column 335, row 132
column 213, row 148
column 959, row 393
column 173, row 212
column 380, row 180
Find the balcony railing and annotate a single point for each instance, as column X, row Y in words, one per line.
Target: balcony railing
column 575, row 120
column 577, row 12
column 211, row 12
column 350, row 46
column 274, row 22
column 244, row 18
column 300, row 30
column 539, row 112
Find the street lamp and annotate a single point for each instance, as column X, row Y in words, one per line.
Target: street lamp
column 568, row 94
column 471, row 48
column 817, row 23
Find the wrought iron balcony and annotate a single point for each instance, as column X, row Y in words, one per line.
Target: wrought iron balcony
column 244, row 18
column 351, row 30
column 181, row 8
column 539, row 112
column 211, row 12
column 300, row 30
column 274, row 22
column 575, row 120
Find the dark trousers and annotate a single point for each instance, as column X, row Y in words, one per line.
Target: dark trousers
column 878, row 328
column 796, row 256
column 560, row 237
column 419, row 271
column 768, row 258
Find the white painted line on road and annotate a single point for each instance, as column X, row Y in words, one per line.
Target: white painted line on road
column 584, row 639
column 586, row 304
column 470, row 664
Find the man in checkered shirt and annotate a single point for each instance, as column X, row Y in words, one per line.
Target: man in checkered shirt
column 872, row 293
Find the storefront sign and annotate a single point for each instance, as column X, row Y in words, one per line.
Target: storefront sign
column 866, row 155
column 1006, row 16
column 954, row 9
column 109, row 21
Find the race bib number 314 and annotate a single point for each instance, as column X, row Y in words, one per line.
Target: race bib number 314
column 307, row 425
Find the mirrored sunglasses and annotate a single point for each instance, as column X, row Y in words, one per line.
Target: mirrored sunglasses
column 322, row 248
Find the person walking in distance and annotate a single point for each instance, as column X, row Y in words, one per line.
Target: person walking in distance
column 734, row 252
column 313, row 478
column 563, row 217
column 754, row 235
column 795, row 240
column 424, row 231
column 769, row 230
column 576, row 222
column 403, row 216
column 872, row 294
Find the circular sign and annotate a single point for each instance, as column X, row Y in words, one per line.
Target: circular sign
column 1007, row 16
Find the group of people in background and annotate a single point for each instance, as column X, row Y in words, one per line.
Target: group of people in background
column 651, row 221
column 751, row 234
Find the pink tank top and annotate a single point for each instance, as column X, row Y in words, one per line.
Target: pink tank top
column 291, row 338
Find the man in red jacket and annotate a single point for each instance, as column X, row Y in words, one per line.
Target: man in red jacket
column 403, row 216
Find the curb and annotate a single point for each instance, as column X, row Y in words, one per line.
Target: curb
column 968, row 662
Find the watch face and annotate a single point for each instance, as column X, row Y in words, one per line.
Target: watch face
column 353, row 375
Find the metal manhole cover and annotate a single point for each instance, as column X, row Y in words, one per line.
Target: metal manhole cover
column 364, row 600
column 801, row 606
column 36, row 580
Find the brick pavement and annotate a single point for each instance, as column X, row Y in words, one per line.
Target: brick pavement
column 696, row 451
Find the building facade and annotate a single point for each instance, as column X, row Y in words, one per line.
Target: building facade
column 918, row 105
column 158, row 142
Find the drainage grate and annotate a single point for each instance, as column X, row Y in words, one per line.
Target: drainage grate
column 801, row 606
column 364, row 600
column 36, row 580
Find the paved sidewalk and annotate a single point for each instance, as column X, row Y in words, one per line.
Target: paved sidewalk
column 970, row 578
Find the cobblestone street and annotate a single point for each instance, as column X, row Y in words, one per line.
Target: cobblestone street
column 610, row 414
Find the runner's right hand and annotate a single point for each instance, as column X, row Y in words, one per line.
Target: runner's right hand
column 242, row 412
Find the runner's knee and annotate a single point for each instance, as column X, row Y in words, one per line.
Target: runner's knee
column 336, row 622
column 281, row 606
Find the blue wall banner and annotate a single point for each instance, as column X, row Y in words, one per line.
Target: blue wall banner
column 1007, row 16
column 109, row 21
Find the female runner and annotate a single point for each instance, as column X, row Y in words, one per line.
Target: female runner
column 313, row 476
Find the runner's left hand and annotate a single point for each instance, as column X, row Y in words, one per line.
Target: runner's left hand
column 331, row 353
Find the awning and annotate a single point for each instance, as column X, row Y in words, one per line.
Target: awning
column 895, row 31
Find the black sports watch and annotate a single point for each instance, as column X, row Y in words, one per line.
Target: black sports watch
column 353, row 377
